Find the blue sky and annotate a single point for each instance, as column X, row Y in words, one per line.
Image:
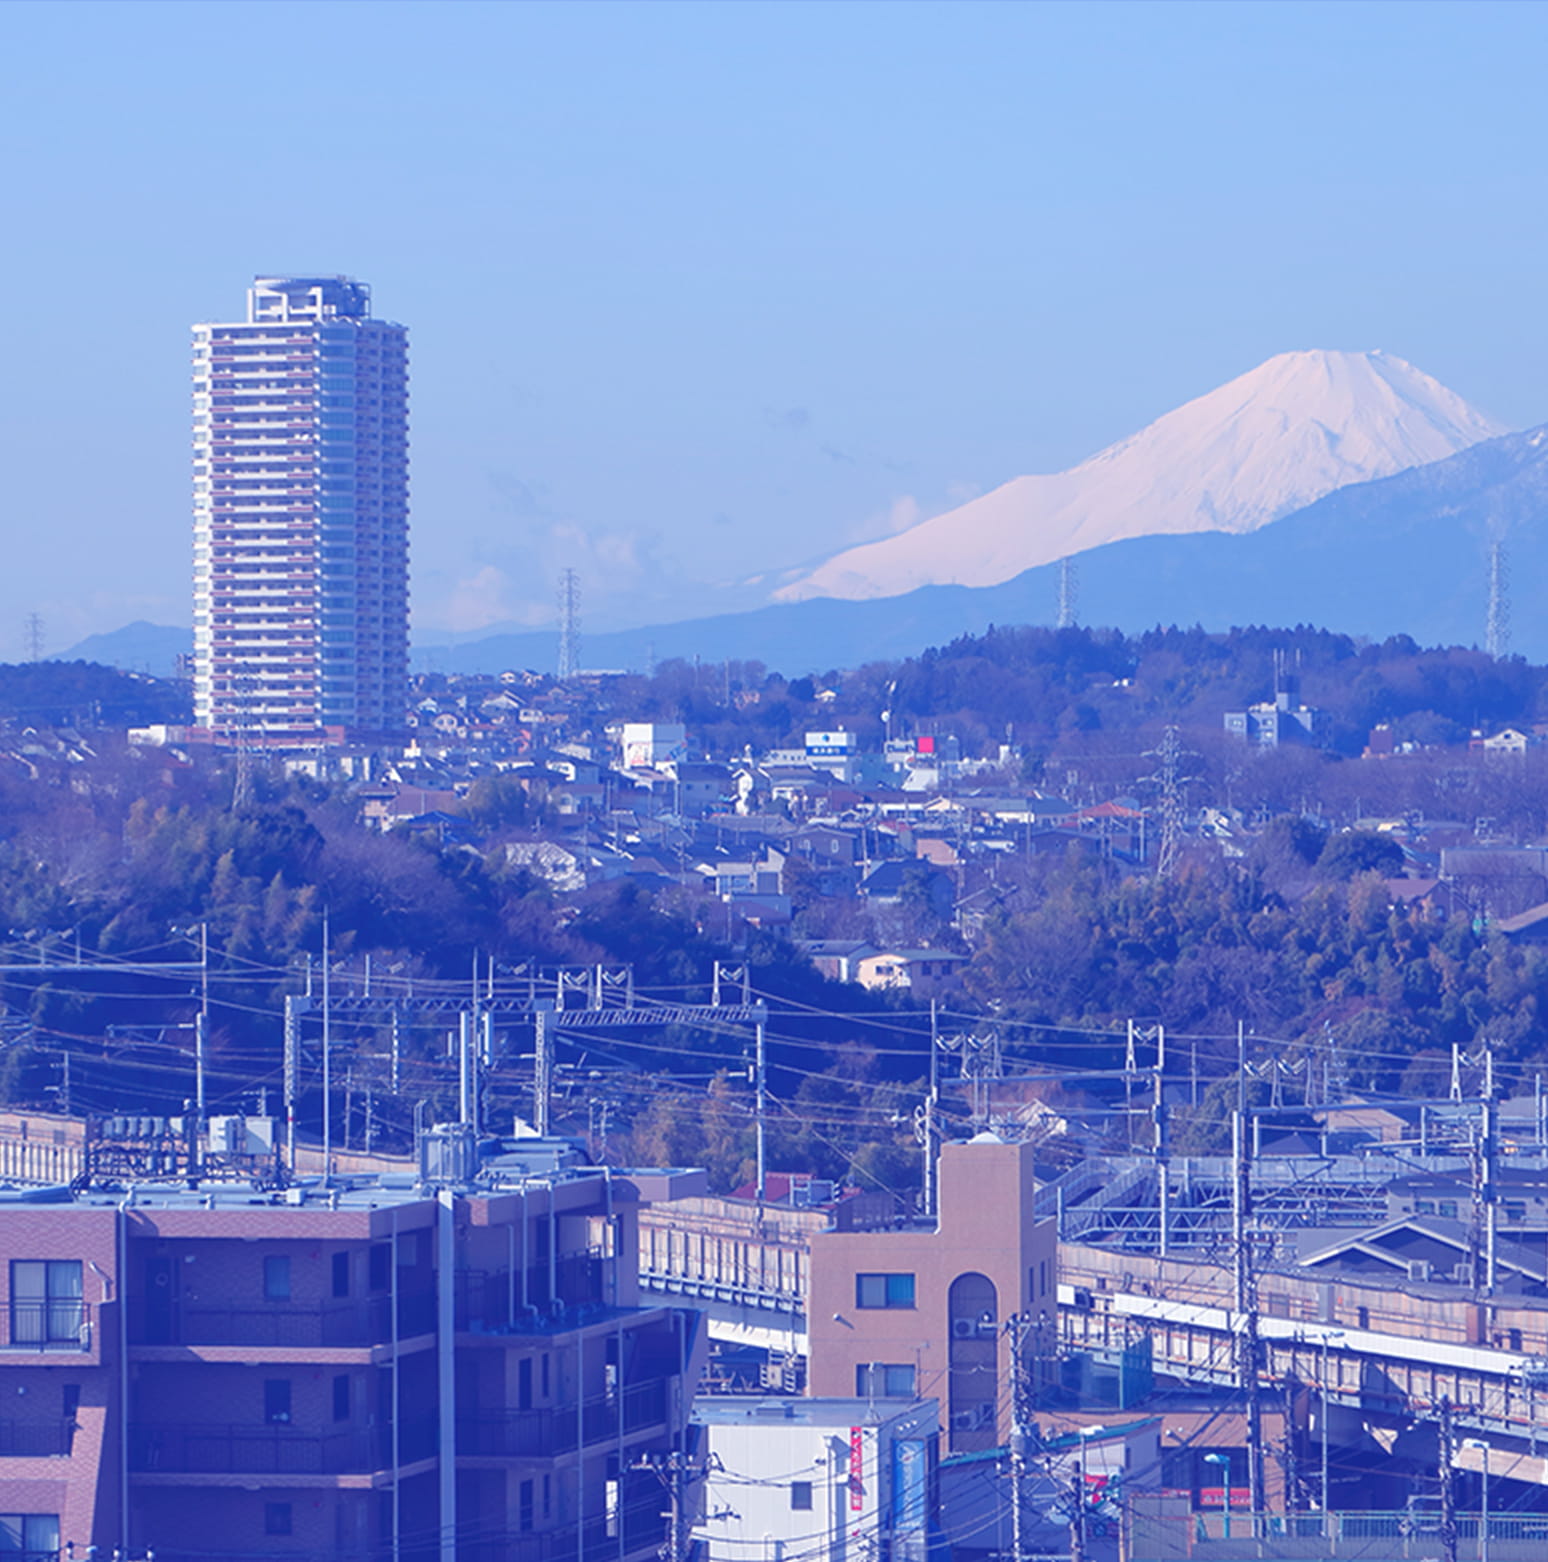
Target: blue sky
column 701, row 292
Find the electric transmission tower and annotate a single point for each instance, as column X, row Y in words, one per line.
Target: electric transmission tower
column 569, row 624
column 1169, row 778
column 32, row 638
column 1497, row 632
column 1069, row 586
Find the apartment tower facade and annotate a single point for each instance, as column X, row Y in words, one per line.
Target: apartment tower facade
column 300, row 419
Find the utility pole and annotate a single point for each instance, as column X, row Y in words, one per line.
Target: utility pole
column 1448, row 1492
column 542, row 1071
column 1017, row 1327
column 201, row 1040
column 465, row 1109
column 293, row 1007
column 1249, row 1354
column 760, row 1087
column 327, row 1060
column 1078, row 1516
column 672, row 1471
column 397, row 1049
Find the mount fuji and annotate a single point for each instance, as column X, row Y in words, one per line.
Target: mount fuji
column 1264, row 446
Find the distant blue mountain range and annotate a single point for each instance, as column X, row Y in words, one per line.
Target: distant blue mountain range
column 1405, row 555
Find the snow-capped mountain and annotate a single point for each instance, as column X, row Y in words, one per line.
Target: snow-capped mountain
column 1265, row 445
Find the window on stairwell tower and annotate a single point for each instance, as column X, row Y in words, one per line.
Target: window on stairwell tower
column 884, row 1290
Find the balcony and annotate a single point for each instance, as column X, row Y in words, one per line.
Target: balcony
column 285, row 1325
column 36, row 1439
column 222, row 1449
column 529, row 1434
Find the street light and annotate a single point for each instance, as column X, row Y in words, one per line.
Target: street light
column 1225, row 1461
column 1483, row 1534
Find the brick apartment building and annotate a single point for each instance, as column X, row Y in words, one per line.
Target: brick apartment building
column 392, row 1367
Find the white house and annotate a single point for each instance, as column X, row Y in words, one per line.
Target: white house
column 848, row 1480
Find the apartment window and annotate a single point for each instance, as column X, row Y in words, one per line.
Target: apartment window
column 276, row 1401
column 1514, row 1211
column 34, row 1537
column 46, row 1305
column 341, row 1274
column 884, row 1290
column 276, row 1279
column 1448, row 1209
column 801, row 1496
column 524, row 1505
column 885, row 1380
column 341, row 1397
column 278, row 1519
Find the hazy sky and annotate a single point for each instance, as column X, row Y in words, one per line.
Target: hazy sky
column 698, row 292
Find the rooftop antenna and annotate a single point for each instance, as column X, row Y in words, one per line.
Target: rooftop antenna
column 1069, row 586
column 569, row 624
column 1497, row 631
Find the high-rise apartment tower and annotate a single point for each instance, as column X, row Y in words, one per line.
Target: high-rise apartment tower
column 301, row 517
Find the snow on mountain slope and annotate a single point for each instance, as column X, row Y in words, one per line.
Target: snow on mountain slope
column 1269, row 443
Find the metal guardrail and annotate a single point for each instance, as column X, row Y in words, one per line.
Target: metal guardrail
column 48, row 1326
column 225, row 1449
column 518, row 1434
column 280, row 1324
column 36, row 1439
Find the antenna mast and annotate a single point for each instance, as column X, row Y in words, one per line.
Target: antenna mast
column 1497, row 632
column 1069, row 588
column 569, row 624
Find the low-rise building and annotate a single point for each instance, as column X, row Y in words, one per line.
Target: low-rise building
column 842, row 1479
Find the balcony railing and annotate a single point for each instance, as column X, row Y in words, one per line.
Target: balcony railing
column 36, row 1439
column 50, row 1326
column 286, row 1324
column 641, row 1525
column 221, row 1449
column 516, row 1434
column 496, row 1301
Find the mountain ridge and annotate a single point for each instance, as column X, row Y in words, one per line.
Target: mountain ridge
column 1244, row 455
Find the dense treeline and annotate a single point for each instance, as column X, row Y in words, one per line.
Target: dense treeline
column 1051, row 688
column 85, row 694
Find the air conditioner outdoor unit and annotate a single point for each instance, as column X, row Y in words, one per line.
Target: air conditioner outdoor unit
column 1419, row 1269
column 964, row 1421
column 963, row 1329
